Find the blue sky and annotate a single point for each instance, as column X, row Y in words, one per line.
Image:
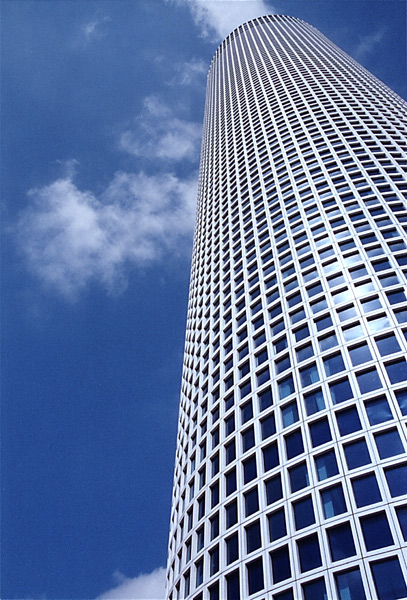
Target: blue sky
column 102, row 105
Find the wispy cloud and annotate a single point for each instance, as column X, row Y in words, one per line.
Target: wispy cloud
column 368, row 43
column 158, row 133
column 71, row 237
column 94, row 28
column 149, row 586
column 217, row 18
column 190, row 72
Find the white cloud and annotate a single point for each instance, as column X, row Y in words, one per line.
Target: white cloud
column 157, row 133
column 190, row 72
column 93, row 29
column 217, row 18
column 149, row 586
column 71, row 237
column 368, row 43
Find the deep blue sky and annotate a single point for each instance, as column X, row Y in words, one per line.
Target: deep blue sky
column 102, row 105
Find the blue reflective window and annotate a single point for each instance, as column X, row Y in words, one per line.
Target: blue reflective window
column 304, row 352
column 387, row 344
column 389, row 443
column 309, row 375
column 333, row 501
column 340, row 391
column 326, row 465
column 378, row 410
column 401, row 512
column 232, row 548
column 230, row 482
column 298, row 477
column 349, row 585
column 328, row 341
column 255, row 575
column 265, row 399
column 274, row 489
column 303, row 512
column 376, row 531
column 397, row 480
column 233, row 585
column 388, row 579
column 286, row 595
column 368, row 381
column 294, row 444
column 289, row 414
column 268, row 426
column 230, row 451
column 341, row 543
column 280, row 564
column 348, row 420
column 334, row 364
column 270, row 456
column 360, row 354
column 323, row 322
column 249, row 469
column 309, row 553
column 366, row 490
column 315, row 590
column 401, row 396
column 251, row 501
column 248, row 439
column 246, row 412
column 320, row 432
column 277, row 526
column 253, row 536
column 314, row 402
column 397, row 371
column 286, row 387
column 357, row 454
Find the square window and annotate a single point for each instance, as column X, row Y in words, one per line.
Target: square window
column 268, row 426
column 314, row 590
column 397, row 480
column 286, row 595
column 320, row 432
column 357, row 454
column 301, row 333
column 265, row 399
column 333, row 501
column 289, row 414
column 378, row 410
column 348, row 420
column 304, row 352
column 340, row 391
column 366, row 490
column 368, row 381
column 294, row 444
column 280, row 564
column 401, row 396
column 349, row 585
column 309, row 553
column 233, row 585
column 314, row 402
column 333, row 364
column 326, row 465
column 376, row 531
column 388, row 579
column 360, row 354
column 286, row 387
column 389, row 443
column 323, row 322
column 387, row 344
column 303, row 513
column 397, row 371
column 341, row 544
column 309, row 375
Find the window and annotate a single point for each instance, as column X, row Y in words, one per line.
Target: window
column 248, row 439
column 303, row 512
column 253, row 536
column 397, row 371
column 214, row 523
column 214, row 560
column 231, row 514
column 326, row 465
column 294, row 444
column 387, row 344
column 340, row 391
column 286, row 595
column 268, row 426
column 230, row 479
column 397, row 480
column 360, row 354
column 341, row 543
column 232, row 548
column 333, row 501
column 246, row 411
column 366, row 490
column 315, row 590
column 270, row 456
column 280, row 564
column 289, row 414
column 286, row 387
column 255, row 575
column 357, row 454
column 274, row 489
column 376, row 531
column 230, row 451
column 333, row 364
column 265, row 399
column 309, row 375
column 320, row 432
column 298, row 477
column 249, row 469
column 314, row 402
column 401, row 512
column 378, row 410
column 233, row 586
column 388, row 579
column 368, row 381
column 251, row 501
column 348, row 420
column 389, row 443
column 349, row 585
column 309, row 553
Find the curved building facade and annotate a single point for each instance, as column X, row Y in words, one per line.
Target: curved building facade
column 291, row 467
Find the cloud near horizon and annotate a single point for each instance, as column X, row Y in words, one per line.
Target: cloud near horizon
column 158, row 133
column 217, row 18
column 71, row 237
column 147, row 586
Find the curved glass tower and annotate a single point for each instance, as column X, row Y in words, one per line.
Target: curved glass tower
column 291, row 466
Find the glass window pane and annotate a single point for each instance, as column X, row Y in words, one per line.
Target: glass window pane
column 357, row 454
column 315, row 590
column 294, row 444
column 314, row 402
column 360, row 354
column 388, row 579
column 309, row 553
column 368, row 381
column 255, row 576
column 251, row 501
column 274, row 490
column 303, row 512
column 401, row 512
column 376, row 531
column 298, row 477
column 333, row 501
column 397, row 480
column 397, row 371
column 378, row 410
column 334, row 364
column 320, row 432
column 326, row 465
column 389, row 443
column 341, row 542
column 340, row 391
column 253, row 536
column 277, row 526
column 366, row 490
column 280, row 564
column 349, row 585
column 348, row 420
column 387, row 344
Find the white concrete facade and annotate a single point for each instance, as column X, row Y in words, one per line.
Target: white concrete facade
column 291, row 468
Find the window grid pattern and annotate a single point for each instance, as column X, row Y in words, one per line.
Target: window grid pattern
column 291, row 448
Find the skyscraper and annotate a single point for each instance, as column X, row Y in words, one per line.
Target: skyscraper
column 291, row 468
